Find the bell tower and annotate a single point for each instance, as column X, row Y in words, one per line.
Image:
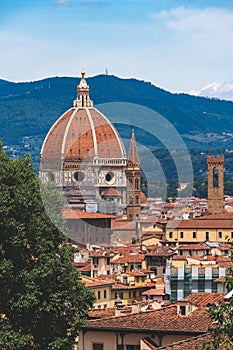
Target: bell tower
column 215, row 184
column 133, row 174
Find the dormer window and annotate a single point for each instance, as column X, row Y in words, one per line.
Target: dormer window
column 182, row 310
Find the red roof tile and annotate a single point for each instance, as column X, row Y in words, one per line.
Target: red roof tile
column 165, row 319
column 101, row 313
column 190, row 344
column 154, row 291
column 203, row 223
column 131, row 258
column 203, row 299
column 112, row 192
column 78, row 214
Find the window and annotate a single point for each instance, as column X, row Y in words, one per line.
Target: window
column 105, row 306
column 97, row 346
column 182, row 310
column 232, row 235
column 194, row 235
column 108, row 261
column 215, row 177
column 201, row 286
column 99, row 295
column 105, row 294
column 132, row 347
column 136, row 184
column 95, row 261
column 129, row 294
column 170, row 234
column 181, row 234
column 134, row 293
column 119, row 295
column 207, row 236
column 220, row 235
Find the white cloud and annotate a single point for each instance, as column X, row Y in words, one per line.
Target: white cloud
column 199, row 43
column 185, row 20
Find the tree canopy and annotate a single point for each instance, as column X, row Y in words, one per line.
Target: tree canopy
column 42, row 302
column 222, row 319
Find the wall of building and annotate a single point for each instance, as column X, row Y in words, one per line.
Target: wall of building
column 186, row 235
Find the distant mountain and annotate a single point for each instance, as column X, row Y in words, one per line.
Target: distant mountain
column 222, row 91
column 27, row 110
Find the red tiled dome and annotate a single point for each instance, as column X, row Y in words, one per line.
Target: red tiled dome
column 143, row 199
column 83, row 133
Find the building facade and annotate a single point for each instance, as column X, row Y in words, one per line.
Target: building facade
column 85, row 157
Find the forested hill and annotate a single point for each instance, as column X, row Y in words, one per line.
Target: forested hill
column 30, row 108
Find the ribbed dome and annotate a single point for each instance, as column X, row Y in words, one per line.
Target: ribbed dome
column 82, row 132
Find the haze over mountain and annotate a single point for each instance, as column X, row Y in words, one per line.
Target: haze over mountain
column 222, row 91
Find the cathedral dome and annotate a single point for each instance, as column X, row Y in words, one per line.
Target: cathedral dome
column 82, row 132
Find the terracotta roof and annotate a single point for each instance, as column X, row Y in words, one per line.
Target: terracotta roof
column 82, row 133
column 165, row 319
column 193, row 247
column 203, row 257
column 130, row 258
column 123, row 224
column 101, row 313
column 223, row 216
column 112, row 192
column 203, row 223
column 86, row 268
column 154, row 291
column 78, row 214
column 190, row 343
column 203, row 299
column 95, row 282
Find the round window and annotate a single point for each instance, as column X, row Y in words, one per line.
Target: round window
column 109, row 178
column 79, row 176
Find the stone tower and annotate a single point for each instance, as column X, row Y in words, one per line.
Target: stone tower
column 215, row 184
column 133, row 174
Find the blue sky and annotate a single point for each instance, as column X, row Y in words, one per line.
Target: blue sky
column 179, row 45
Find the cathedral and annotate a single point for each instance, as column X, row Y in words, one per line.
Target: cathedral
column 84, row 156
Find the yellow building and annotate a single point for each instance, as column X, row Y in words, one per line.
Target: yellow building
column 212, row 228
column 101, row 289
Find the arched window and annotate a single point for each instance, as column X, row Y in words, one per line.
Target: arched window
column 215, row 177
column 137, row 199
column 136, row 184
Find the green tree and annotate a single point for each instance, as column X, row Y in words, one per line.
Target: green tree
column 222, row 320
column 42, row 302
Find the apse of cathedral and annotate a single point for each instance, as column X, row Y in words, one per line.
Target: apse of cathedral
column 85, row 157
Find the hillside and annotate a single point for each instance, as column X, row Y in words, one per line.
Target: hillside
column 27, row 111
